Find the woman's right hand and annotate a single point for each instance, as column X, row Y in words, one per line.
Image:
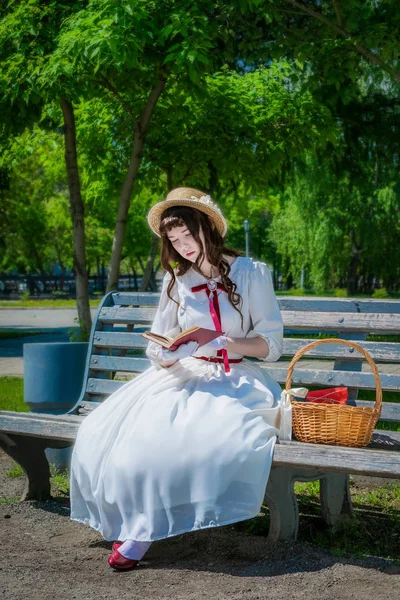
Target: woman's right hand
column 166, row 358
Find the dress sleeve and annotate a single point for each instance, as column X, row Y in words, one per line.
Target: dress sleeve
column 265, row 315
column 166, row 319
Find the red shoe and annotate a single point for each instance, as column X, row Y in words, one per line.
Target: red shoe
column 116, row 545
column 120, row 563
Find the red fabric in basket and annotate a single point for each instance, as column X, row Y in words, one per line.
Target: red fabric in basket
column 337, row 395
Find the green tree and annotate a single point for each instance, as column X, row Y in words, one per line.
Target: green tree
column 234, row 138
column 133, row 50
column 343, row 231
column 339, row 39
column 28, row 38
column 33, row 233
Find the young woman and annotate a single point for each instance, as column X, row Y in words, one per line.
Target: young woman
column 188, row 444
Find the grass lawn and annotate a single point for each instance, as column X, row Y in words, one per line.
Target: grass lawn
column 12, row 394
column 373, row 531
column 45, row 303
column 7, row 334
column 336, row 294
column 94, row 302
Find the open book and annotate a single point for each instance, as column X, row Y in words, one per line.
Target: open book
column 197, row 334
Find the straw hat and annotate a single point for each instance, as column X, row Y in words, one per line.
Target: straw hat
column 193, row 198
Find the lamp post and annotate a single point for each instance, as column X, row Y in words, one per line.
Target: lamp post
column 246, row 225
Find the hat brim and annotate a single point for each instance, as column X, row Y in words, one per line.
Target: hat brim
column 155, row 213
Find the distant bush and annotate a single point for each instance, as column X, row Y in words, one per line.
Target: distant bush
column 341, row 293
column 380, row 293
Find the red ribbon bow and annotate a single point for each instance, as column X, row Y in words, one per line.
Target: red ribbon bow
column 215, row 314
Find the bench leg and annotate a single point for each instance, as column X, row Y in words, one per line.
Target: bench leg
column 335, row 497
column 29, row 453
column 282, row 503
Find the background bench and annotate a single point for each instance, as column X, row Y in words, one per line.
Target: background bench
column 116, row 348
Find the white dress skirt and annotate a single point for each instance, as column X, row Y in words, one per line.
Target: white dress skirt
column 188, row 447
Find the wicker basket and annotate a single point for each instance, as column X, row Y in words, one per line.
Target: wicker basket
column 335, row 424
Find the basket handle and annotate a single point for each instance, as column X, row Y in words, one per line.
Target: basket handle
column 361, row 350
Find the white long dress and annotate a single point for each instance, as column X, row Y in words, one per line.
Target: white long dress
column 190, row 446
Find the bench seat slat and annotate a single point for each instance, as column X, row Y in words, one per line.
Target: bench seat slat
column 34, row 416
column 358, row 461
column 299, row 320
column 302, row 303
column 287, row 454
column 63, row 427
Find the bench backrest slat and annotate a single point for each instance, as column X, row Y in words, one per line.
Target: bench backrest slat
column 390, row 410
column 299, row 320
column 103, row 387
column 127, row 364
column 364, row 381
column 295, row 303
column 116, row 344
column 306, row 376
column 376, row 322
column 380, row 351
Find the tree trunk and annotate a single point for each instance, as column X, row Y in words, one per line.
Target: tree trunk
column 140, row 130
column 352, row 275
column 103, row 277
column 62, row 267
column 213, row 178
column 170, row 181
column 38, row 260
column 353, row 267
column 78, row 220
column 139, row 258
column 149, row 266
column 149, row 273
column 133, row 269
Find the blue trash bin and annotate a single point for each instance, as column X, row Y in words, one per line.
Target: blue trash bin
column 53, row 378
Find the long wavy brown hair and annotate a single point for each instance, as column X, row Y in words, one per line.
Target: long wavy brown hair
column 195, row 220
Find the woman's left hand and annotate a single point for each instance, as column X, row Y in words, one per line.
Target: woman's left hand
column 257, row 347
column 218, row 344
column 168, row 357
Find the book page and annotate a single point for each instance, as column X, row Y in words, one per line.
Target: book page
column 156, row 337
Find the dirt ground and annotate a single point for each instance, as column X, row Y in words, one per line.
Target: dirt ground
column 46, row 556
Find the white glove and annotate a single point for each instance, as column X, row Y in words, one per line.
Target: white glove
column 169, row 356
column 218, row 344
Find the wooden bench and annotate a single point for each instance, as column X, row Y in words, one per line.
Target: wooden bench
column 116, row 347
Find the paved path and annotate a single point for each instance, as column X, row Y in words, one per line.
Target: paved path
column 11, row 351
column 39, row 318
column 55, row 323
